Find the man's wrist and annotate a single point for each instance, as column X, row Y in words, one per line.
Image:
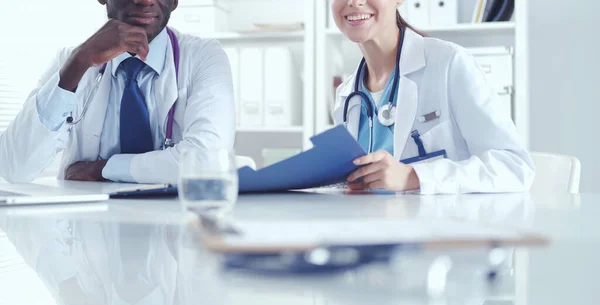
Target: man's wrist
column 73, row 70
column 98, row 167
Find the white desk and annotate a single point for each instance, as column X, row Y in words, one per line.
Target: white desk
column 180, row 271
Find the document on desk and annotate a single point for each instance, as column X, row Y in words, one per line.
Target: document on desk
column 279, row 236
column 328, row 162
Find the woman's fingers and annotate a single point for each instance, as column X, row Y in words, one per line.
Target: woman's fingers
column 372, row 158
column 366, row 170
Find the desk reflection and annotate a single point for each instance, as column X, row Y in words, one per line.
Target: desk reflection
column 94, row 262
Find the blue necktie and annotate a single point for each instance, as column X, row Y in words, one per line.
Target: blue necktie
column 136, row 136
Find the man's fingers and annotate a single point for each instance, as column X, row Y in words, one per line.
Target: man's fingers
column 139, row 36
column 138, row 48
column 74, row 170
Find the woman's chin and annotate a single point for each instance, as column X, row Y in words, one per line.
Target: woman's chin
column 358, row 37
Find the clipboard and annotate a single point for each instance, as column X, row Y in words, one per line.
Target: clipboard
column 266, row 255
column 306, row 236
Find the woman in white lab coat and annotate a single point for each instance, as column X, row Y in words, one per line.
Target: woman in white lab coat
column 442, row 107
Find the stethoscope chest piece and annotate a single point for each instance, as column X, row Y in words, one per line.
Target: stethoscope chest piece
column 387, row 115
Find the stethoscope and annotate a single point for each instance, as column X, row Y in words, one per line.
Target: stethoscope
column 171, row 116
column 386, row 115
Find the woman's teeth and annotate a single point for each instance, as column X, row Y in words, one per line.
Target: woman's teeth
column 359, row 17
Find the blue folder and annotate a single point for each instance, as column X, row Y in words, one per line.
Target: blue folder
column 328, row 162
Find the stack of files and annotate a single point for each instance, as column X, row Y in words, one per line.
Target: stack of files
column 493, row 10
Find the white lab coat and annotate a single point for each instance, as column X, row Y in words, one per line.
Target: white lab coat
column 204, row 117
column 91, row 252
column 485, row 153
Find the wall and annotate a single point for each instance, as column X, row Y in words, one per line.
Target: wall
column 565, row 82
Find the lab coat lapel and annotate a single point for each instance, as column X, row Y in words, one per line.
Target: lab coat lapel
column 413, row 59
column 353, row 107
column 408, row 96
column 93, row 122
column 165, row 88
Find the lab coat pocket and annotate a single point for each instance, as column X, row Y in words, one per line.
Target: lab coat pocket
column 439, row 137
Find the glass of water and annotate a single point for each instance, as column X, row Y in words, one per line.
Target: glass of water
column 208, row 180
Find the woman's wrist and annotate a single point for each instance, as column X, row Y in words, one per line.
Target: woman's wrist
column 413, row 182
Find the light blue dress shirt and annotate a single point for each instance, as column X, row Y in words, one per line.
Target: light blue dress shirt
column 383, row 137
column 55, row 104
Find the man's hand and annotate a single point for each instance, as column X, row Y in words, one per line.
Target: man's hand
column 114, row 38
column 86, row 171
column 381, row 171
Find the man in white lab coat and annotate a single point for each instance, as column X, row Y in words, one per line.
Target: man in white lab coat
column 105, row 104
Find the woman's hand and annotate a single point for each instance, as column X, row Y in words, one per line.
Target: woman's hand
column 381, row 171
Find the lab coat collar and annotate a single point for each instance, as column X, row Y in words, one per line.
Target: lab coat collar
column 156, row 56
column 412, row 60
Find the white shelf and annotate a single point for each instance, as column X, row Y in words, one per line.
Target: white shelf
column 457, row 29
column 258, row 36
column 288, row 129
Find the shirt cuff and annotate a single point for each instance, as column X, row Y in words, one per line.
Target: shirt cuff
column 428, row 184
column 54, row 104
column 118, row 168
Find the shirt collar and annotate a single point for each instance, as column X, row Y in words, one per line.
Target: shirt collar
column 156, row 55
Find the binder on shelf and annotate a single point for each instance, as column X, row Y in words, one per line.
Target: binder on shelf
column 418, row 12
column 501, row 10
column 443, row 12
column 493, row 10
column 279, row 86
column 234, row 62
column 251, row 87
column 478, row 11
